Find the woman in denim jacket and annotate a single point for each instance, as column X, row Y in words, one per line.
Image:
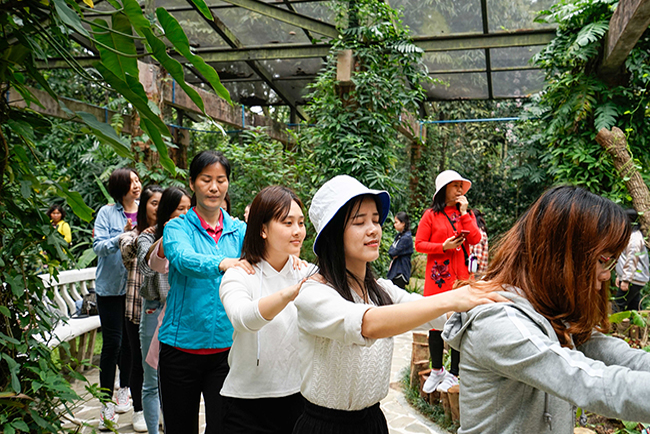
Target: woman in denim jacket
column 110, row 284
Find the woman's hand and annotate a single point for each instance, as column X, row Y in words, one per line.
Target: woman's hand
column 150, row 230
column 453, row 242
column 461, row 201
column 128, row 226
column 291, row 292
column 298, row 263
column 624, row 285
column 466, row 297
column 234, row 262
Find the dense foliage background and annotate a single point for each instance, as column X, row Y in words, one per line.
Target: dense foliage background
column 354, row 130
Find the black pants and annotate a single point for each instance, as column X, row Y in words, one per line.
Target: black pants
column 182, row 378
column 630, row 299
column 111, row 317
column 400, row 281
column 436, row 349
column 321, row 420
column 135, row 356
column 263, row 415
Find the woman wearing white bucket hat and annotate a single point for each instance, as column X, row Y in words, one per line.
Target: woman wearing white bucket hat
column 445, row 233
column 347, row 317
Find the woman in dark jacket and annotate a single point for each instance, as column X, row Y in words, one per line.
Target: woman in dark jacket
column 400, row 251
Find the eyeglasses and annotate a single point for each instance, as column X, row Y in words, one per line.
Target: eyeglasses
column 608, row 262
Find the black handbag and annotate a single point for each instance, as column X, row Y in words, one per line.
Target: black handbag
column 89, row 304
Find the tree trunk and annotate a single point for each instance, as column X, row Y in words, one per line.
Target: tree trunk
column 615, row 144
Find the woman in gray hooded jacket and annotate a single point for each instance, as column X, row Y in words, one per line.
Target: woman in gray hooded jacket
column 527, row 365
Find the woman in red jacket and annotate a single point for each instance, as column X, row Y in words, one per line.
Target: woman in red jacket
column 445, row 233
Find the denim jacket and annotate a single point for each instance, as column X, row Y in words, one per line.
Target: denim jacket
column 194, row 317
column 110, row 279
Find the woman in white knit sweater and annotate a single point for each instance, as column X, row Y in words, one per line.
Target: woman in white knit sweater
column 262, row 390
column 347, row 317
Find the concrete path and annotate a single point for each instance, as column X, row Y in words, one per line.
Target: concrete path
column 401, row 417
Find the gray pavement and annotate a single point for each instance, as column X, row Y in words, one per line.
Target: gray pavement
column 401, row 417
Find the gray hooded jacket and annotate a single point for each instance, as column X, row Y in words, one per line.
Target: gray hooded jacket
column 516, row 378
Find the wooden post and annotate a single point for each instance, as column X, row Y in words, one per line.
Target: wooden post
column 615, row 144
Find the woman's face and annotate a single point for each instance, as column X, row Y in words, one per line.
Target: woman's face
column 182, row 208
column 152, row 208
column 55, row 216
column 284, row 237
column 606, row 263
column 135, row 190
column 453, row 192
column 210, row 187
column 398, row 225
column 362, row 234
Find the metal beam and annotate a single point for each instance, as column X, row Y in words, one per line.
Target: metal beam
column 289, row 17
column 473, row 41
column 629, row 21
column 480, row 41
column 231, row 39
column 174, row 9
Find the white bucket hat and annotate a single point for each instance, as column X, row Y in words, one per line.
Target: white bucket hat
column 450, row 176
column 334, row 194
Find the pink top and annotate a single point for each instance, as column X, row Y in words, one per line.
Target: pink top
column 156, row 263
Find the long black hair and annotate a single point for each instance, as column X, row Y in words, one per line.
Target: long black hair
column 143, row 220
column 331, row 255
column 440, row 200
column 632, row 217
column 169, row 201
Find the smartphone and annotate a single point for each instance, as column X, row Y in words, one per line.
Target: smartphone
column 464, row 233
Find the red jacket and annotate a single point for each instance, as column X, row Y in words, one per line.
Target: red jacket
column 444, row 268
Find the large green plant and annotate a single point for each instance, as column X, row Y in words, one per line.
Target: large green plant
column 577, row 101
column 33, row 391
column 355, row 130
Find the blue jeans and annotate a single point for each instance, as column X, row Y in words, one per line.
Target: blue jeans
column 150, row 400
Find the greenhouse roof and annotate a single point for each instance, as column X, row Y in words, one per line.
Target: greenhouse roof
column 266, row 52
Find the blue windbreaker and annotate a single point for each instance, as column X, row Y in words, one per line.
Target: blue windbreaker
column 111, row 276
column 194, row 317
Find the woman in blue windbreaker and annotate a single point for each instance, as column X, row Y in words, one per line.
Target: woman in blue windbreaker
column 196, row 335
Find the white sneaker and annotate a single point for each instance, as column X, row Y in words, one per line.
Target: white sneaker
column 122, row 401
column 108, row 418
column 435, row 378
column 449, row 381
column 139, row 424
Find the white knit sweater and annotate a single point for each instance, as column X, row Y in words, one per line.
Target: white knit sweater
column 263, row 359
column 340, row 368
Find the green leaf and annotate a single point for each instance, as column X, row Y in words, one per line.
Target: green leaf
column 203, row 8
column 8, row 429
column 157, row 139
column 86, row 258
column 637, row 319
column 106, row 134
column 21, row 425
column 133, row 91
column 76, row 202
column 616, row 318
column 5, row 311
column 172, row 66
column 25, row 189
column 120, row 65
column 605, row 116
column 175, row 34
column 70, row 17
column 13, row 369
